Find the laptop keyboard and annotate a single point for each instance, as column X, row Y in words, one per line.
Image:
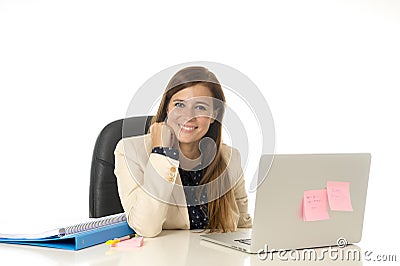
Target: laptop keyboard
column 246, row 241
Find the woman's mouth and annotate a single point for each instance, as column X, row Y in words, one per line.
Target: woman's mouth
column 187, row 128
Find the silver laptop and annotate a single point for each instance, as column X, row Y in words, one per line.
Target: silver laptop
column 278, row 217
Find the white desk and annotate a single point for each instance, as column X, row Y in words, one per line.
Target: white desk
column 171, row 247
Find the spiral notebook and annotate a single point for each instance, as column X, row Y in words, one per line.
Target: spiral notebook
column 77, row 236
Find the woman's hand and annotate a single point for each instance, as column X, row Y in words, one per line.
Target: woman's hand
column 162, row 135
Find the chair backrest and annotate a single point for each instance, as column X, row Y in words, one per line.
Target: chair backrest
column 103, row 192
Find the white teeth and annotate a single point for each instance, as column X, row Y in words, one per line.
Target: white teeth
column 187, row 128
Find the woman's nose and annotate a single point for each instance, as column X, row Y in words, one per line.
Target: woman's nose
column 188, row 114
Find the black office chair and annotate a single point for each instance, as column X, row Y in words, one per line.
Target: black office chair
column 103, row 192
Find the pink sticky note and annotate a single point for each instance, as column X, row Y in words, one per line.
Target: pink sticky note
column 131, row 243
column 315, row 205
column 339, row 196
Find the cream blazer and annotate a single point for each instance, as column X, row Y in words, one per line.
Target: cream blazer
column 150, row 188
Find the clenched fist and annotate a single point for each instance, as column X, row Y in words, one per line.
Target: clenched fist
column 162, row 135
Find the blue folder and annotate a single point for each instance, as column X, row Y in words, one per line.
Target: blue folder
column 76, row 241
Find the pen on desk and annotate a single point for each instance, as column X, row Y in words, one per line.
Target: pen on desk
column 117, row 240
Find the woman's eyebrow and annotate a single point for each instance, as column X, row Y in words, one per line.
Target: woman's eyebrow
column 201, row 102
column 205, row 103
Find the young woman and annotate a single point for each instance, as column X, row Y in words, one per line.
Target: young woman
column 181, row 175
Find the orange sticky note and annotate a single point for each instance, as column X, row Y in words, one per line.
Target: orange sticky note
column 315, row 205
column 339, row 196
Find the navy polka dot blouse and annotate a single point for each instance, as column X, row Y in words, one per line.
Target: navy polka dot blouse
column 197, row 207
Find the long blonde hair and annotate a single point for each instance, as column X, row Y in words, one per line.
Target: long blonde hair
column 220, row 211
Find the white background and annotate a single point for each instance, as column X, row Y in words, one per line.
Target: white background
column 328, row 69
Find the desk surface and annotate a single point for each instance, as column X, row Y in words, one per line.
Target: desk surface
column 171, row 247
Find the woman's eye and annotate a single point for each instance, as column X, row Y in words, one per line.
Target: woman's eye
column 179, row 105
column 201, row 107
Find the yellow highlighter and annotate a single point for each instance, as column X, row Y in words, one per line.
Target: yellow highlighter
column 117, row 240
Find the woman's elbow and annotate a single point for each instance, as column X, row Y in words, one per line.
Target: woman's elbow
column 145, row 229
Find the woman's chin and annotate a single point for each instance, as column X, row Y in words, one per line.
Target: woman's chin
column 187, row 140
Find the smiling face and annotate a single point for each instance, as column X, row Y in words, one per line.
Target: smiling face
column 190, row 113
